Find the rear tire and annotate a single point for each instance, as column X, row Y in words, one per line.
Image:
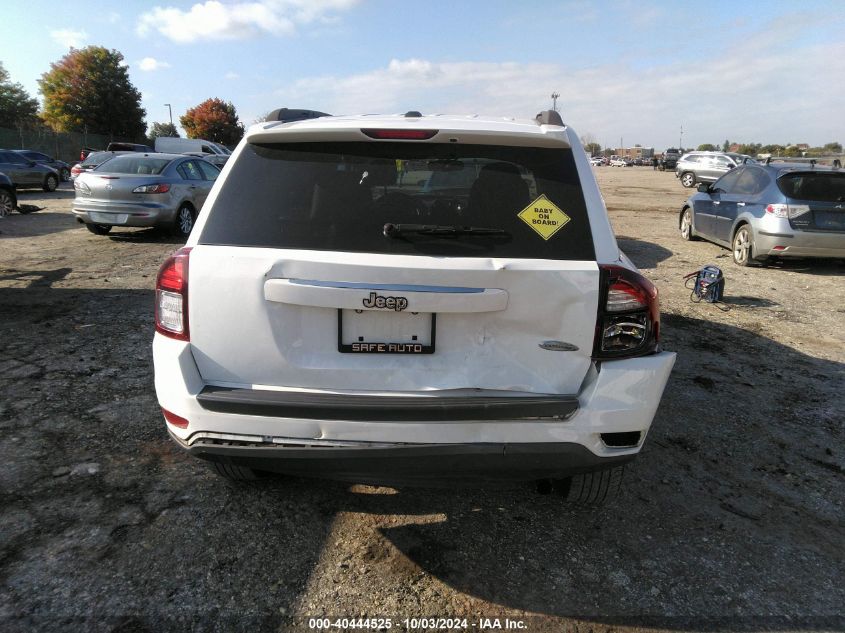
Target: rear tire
column 233, row 472
column 591, row 489
column 688, row 179
column 65, row 174
column 184, row 223
column 742, row 246
column 98, row 229
column 51, row 182
column 7, row 202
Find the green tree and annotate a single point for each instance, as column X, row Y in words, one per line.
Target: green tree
column 833, row 148
column 750, row 149
column 89, row 90
column 213, row 120
column 707, row 147
column 592, row 148
column 162, row 129
column 726, row 145
column 17, row 108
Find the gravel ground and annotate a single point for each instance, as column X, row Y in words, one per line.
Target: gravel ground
column 732, row 516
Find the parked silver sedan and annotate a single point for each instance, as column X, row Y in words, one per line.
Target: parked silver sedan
column 136, row 189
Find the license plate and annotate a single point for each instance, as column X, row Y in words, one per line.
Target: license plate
column 829, row 220
column 108, row 218
column 372, row 332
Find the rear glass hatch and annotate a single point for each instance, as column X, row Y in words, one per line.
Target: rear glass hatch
column 816, row 199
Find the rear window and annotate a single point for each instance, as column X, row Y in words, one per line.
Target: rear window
column 131, row 164
column 342, row 196
column 818, row 186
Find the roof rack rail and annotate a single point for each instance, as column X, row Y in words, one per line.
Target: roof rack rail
column 835, row 161
column 286, row 115
column 549, row 117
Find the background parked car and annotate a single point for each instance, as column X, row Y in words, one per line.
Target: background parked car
column 27, row 173
column 695, row 167
column 144, row 190
column 92, row 160
column 54, row 163
column 777, row 210
column 119, row 146
column 670, row 158
column 8, row 199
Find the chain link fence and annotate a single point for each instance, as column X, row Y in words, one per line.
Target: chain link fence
column 62, row 145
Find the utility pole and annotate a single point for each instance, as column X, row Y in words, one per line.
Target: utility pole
column 555, row 96
column 681, row 140
column 170, row 110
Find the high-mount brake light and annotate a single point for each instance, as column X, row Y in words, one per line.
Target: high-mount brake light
column 403, row 135
column 628, row 322
column 161, row 187
column 171, row 308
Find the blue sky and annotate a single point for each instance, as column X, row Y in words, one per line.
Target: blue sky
column 632, row 71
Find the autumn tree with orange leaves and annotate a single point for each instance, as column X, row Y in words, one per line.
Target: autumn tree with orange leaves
column 213, row 120
column 89, row 90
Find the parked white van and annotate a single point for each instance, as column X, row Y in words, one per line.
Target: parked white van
column 212, row 152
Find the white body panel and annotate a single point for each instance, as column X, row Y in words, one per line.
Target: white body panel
column 247, row 339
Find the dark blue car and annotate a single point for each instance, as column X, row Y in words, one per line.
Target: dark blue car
column 771, row 210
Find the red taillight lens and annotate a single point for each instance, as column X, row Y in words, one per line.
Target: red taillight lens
column 157, row 188
column 171, row 309
column 76, row 169
column 628, row 321
column 403, row 135
column 174, row 419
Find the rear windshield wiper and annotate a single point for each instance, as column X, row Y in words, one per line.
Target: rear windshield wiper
column 398, row 230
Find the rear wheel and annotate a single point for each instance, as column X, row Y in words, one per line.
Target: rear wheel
column 98, row 229
column 591, row 489
column 688, row 179
column 741, row 246
column 65, row 174
column 51, row 182
column 184, row 223
column 7, row 202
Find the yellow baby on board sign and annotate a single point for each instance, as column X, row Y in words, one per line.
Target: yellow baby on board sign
column 544, row 216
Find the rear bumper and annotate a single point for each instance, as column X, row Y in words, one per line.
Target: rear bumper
column 347, row 435
column 413, row 463
column 123, row 214
column 799, row 243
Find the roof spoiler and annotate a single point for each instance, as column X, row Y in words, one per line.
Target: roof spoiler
column 549, row 117
column 286, row 115
column 835, row 161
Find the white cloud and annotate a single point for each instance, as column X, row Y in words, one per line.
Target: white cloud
column 213, row 20
column 69, row 38
column 760, row 97
column 232, row 75
column 149, row 64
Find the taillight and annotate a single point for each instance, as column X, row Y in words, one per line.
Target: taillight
column 172, row 296
column 162, row 187
column 402, row 135
column 628, row 321
column 778, row 210
column 76, row 170
column 174, row 419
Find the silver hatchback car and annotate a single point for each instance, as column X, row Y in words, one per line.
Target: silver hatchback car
column 696, row 167
column 144, row 190
column 773, row 210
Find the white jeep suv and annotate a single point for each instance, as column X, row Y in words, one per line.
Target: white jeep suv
column 332, row 315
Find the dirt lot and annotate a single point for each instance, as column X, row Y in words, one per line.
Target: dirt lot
column 732, row 516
